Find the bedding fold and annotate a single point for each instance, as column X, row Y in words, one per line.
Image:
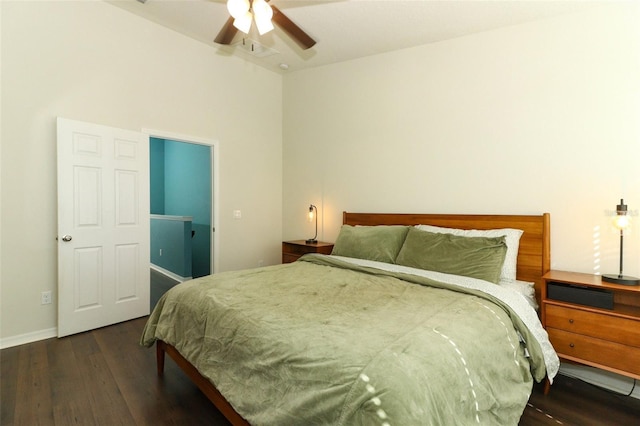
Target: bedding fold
column 325, row 341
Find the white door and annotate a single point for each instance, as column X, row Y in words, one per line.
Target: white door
column 103, row 226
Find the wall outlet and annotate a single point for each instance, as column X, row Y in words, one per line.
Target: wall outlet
column 160, row 252
column 45, row 298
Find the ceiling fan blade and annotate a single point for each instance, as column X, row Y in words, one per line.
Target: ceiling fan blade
column 227, row 32
column 296, row 33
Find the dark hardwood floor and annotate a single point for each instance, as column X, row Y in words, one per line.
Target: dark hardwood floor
column 574, row 402
column 159, row 285
column 103, row 377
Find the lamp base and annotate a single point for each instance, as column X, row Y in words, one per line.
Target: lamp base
column 620, row 279
column 311, row 241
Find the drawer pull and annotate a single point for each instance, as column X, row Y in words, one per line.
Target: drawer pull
column 571, row 321
column 571, row 345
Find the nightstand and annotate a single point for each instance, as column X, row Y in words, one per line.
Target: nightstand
column 292, row 250
column 593, row 322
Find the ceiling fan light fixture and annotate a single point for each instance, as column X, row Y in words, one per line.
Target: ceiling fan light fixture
column 265, row 16
column 237, row 8
column 262, row 14
column 243, row 22
column 263, row 25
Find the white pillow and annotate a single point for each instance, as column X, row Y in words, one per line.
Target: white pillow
column 512, row 239
column 524, row 288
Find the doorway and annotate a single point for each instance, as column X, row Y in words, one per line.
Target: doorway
column 107, row 170
column 183, row 207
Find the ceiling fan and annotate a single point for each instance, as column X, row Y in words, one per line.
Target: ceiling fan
column 243, row 11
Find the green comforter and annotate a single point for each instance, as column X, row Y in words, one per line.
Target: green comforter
column 323, row 342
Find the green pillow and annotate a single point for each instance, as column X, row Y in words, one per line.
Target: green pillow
column 381, row 243
column 477, row 257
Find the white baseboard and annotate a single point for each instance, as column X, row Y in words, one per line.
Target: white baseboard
column 601, row 378
column 35, row 336
column 22, row 339
column 170, row 274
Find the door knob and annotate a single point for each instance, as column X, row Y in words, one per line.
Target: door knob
column 66, row 238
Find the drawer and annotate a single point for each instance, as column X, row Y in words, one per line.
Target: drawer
column 297, row 249
column 599, row 325
column 288, row 257
column 301, row 249
column 596, row 351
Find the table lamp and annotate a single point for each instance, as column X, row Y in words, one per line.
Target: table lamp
column 313, row 214
column 621, row 222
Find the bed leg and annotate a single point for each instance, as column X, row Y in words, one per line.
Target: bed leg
column 160, row 351
column 547, row 386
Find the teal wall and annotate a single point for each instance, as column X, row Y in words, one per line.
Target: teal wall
column 181, row 186
column 171, row 246
column 156, row 175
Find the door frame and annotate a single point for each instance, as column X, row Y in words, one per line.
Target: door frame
column 215, row 161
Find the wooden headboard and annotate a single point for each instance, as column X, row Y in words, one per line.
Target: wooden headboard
column 534, row 254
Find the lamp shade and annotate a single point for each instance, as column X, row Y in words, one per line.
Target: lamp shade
column 313, row 216
column 621, row 219
column 237, row 8
column 243, row 22
column 621, row 222
column 262, row 14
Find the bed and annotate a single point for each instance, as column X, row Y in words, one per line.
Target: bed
column 369, row 335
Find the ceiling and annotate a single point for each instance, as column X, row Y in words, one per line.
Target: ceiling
column 347, row 29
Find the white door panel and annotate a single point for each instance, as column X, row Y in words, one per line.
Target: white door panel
column 103, row 206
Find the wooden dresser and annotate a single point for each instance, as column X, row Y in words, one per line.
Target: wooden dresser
column 593, row 322
column 292, row 250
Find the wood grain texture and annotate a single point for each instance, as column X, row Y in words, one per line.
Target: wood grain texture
column 292, row 250
column 287, row 25
column 608, row 339
column 101, row 377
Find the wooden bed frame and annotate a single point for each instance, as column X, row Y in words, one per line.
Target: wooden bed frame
column 534, row 260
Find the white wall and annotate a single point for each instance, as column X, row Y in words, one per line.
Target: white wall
column 541, row 117
column 94, row 62
column 531, row 118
